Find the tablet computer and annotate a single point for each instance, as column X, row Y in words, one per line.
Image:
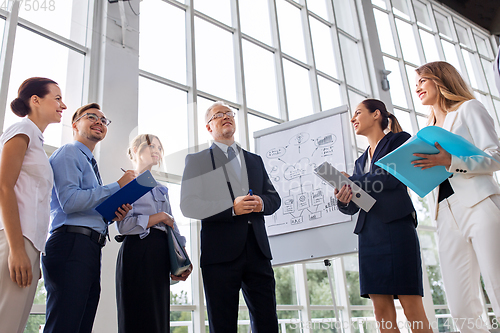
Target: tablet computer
column 336, row 179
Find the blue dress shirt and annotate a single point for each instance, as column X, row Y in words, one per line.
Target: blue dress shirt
column 136, row 220
column 76, row 191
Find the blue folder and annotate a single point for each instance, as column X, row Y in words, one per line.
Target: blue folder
column 128, row 194
column 398, row 162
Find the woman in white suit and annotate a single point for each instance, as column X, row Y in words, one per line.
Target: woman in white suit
column 467, row 205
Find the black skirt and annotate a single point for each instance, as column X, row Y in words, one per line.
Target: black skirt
column 143, row 284
column 389, row 258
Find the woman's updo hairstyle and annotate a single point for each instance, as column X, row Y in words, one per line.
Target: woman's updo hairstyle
column 140, row 142
column 373, row 105
column 38, row 86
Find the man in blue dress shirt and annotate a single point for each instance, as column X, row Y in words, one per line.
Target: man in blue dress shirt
column 72, row 261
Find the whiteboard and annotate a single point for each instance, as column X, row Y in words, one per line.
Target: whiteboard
column 308, row 224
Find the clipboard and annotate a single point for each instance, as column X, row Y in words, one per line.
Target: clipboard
column 128, row 194
column 336, row 179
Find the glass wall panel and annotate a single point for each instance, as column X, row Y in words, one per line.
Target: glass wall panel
column 422, row 14
column 352, row 280
column 298, row 90
column 397, row 90
column 486, row 101
column 450, row 54
column 473, row 70
column 218, row 9
column 323, row 47
column 286, row 289
column 422, row 122
column 408, row 42
column 291, row 30
column 255, row 19
column 168, row 57
column 404, row 120
column 400, row 8
column 352, row 63
column 51, row 60
column 66, row 18
column 260, row 79
column 354, row 100
column 422, row 208
column 429, row 45
column 428, row 246
column 384, row 32
column 170, row 120
column 443, row 25
column 214, row 50
column 483, row 46
column 380, row 3
column 255, row 124
column 329, row 93
column 35, row 323
column 319, row 285
column 410, row 72
column 319, row 8
column 346, row 16
column 463, row 36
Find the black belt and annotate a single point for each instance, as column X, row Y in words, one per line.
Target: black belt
column 445, row 190
column 94, row 235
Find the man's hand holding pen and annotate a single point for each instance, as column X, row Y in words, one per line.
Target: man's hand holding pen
column 247, row 204
column 127, row 177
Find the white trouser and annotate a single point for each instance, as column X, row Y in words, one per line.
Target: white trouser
column 16, row 302
column 469, row 246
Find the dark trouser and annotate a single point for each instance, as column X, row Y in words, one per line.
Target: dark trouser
column 71, row 270
column 143, row 284
column 251, row 272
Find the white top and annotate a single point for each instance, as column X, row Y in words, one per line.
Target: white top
column 34, row 184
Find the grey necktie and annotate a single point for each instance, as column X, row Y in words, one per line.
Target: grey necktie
column 233, row 161
column 96, row 171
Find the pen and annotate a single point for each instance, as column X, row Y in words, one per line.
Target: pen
column 123, row 170
column 250, row 192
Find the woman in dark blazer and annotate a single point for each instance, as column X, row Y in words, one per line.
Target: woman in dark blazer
column 389, row 252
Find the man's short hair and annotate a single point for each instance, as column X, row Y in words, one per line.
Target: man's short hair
column 84, row 108
column 217, row 103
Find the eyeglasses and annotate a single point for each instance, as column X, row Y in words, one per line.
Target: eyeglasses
column 94, row 118
column 217, row 115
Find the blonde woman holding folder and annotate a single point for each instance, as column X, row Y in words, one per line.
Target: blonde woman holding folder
column 467, row 205
column 389, row 252
column 143, row 265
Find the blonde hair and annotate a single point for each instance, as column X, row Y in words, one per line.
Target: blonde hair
column 452, row 89
column 140, row 142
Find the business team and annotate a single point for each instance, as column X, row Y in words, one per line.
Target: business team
column 227, row 188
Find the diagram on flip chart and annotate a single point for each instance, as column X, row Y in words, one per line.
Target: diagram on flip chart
column 290, row 157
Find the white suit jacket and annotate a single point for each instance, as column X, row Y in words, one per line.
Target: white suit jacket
column 472, row 179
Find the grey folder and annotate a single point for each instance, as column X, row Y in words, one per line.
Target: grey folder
column 336, row 179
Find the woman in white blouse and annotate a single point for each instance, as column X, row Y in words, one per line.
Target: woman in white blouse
column 25, row 185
